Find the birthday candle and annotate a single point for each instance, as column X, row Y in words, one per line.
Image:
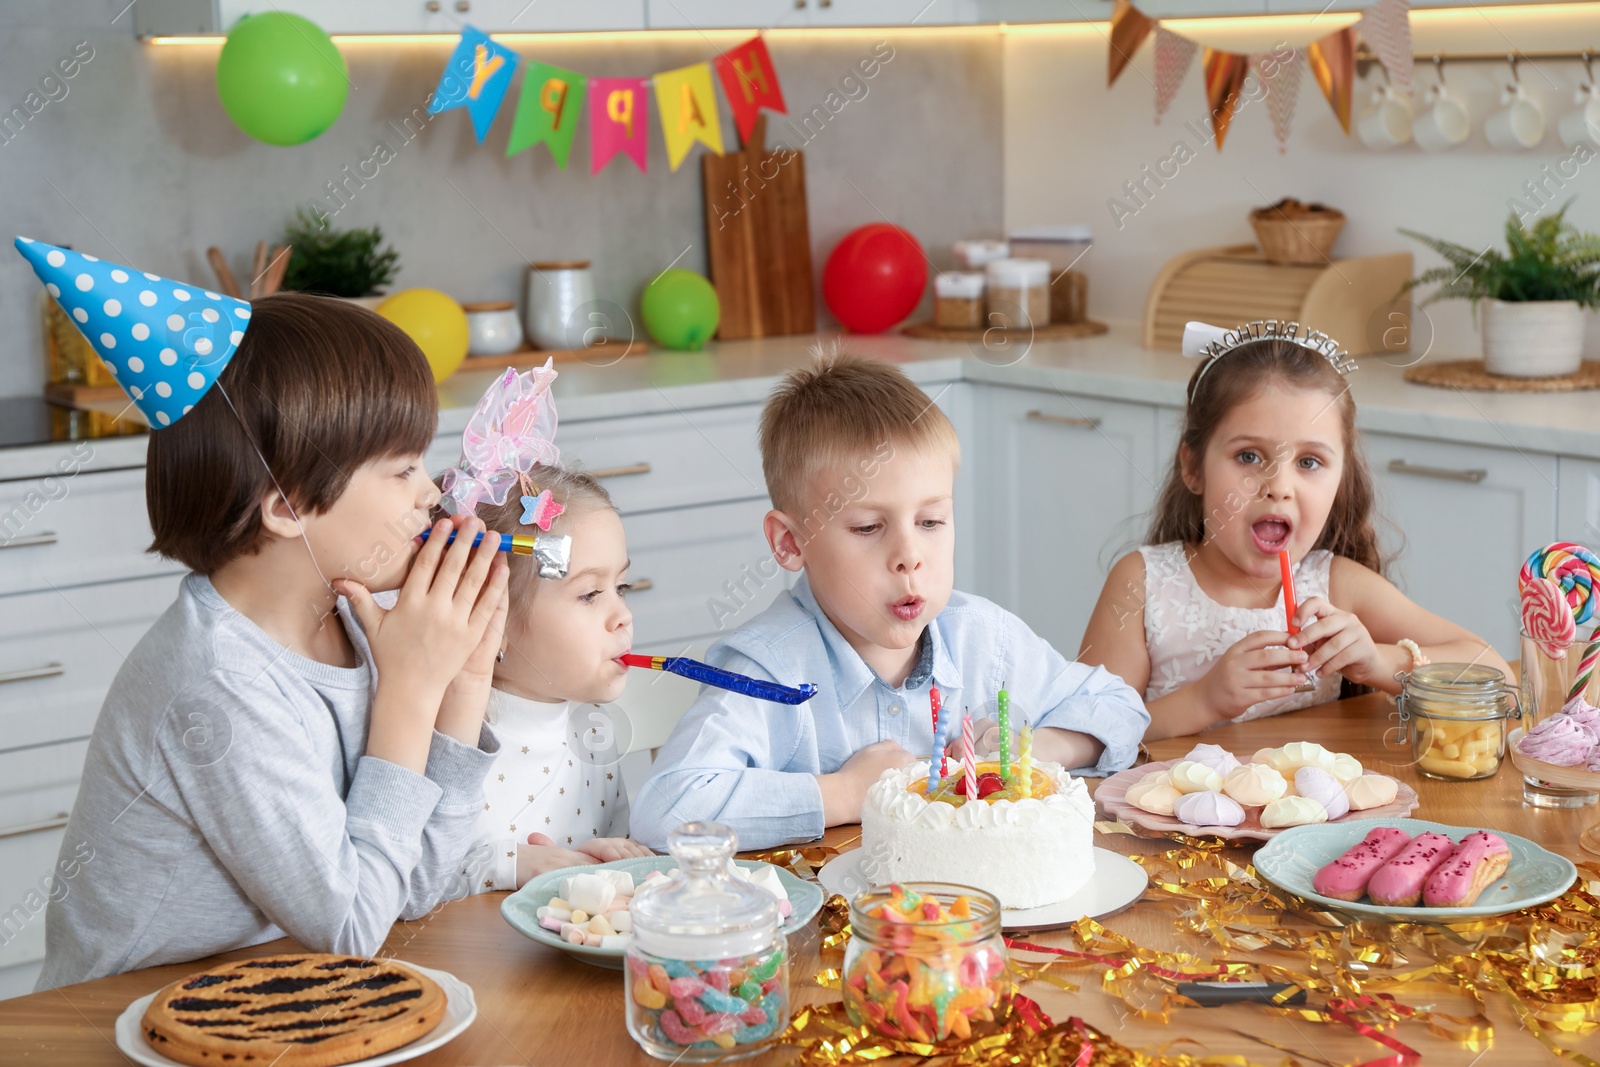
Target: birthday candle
column 935, row 763
column 969, row 761
column 1025, row 759
column 1003, row 702
column 934, row 700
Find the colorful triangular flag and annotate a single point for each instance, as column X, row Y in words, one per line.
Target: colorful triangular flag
column 165, row 341
column 1129, row 28
column 1174, row 55
column 688, row 107
column 1225, row 73
column 1386, row 27
column 476, row 78
column 750, row 82
column 1280, row 78
column 549, row 110
column 1333, row 63
column 617, row 121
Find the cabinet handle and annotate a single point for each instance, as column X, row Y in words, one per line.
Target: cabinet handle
column 463, row 6
column 1400, row 466
column 432, row 6
column 639, row 585
column 48, row 670
column 621, row 472
column 1064, row 420
column 799, row 5
column 46, row 538
column 34, row 827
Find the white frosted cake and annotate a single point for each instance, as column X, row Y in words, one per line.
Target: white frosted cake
column 1027, row 851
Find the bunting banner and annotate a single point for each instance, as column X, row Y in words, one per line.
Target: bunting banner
column 617, row 121
column 750, row 83
column 1129, row 28
column 554, row 101
column 1281, row 81
column 476, row 78
column 1174, row 56
column 1385, row 27
column 548, row 112
column 688, row 109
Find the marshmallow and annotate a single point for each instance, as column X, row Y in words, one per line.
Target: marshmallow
column 616, row 942
column 589, row 893
column 766, row 877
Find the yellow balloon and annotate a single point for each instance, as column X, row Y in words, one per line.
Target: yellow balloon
column 435, row 322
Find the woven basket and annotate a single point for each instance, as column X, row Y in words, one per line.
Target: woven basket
column 1297, row 239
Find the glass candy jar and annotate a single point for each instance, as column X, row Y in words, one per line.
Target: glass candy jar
column 707, row 974
column 1455, row 715
column 925, row 961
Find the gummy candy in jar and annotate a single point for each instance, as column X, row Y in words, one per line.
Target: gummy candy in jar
column 926, row 961
column 707, row 975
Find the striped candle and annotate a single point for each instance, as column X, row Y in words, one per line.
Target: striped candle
column 1003, row 705
column 968, row 759
column 1025, row 763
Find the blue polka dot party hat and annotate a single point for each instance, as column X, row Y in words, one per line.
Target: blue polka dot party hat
column 165, row 341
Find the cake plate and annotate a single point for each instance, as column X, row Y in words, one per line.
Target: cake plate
column 1117, row 882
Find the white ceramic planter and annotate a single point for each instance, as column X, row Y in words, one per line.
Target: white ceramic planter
column 1536, row 339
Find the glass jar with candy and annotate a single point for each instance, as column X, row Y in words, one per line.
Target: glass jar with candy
column 1455, row 715
column 707, row 975
column 926, row 962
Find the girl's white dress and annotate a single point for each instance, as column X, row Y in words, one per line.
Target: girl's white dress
column 1185, row 631
column 557, row 774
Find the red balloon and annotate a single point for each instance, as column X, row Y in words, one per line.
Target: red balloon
column 874, row 277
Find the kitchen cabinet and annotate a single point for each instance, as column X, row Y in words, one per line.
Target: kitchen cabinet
column 75, row 530
column 1578, row 493
column 794, row 14
column 184, row 17
column 1066, row 486
column 1462, row 518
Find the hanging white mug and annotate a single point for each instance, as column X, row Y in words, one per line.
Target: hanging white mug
column 1519, row 124
column 1445, row 124
column 1388, row 125
column 1582, row 126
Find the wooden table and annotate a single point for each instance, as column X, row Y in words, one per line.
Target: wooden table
column 537, row 1005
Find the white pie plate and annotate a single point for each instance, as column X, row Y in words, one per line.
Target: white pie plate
column 1117, row 882
column 460, row 1008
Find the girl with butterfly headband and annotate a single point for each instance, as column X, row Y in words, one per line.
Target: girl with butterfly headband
column 1268, row 463
column 554, row 797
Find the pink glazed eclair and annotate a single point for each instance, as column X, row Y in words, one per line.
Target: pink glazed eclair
column 1477, row 862
column 1398, row 883
column 1346, row 878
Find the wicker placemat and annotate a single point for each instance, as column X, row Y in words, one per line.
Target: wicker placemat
column 1054, row 331
column 1469, row 374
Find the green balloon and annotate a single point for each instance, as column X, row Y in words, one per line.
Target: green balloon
column 680, row 310
column 281, row 79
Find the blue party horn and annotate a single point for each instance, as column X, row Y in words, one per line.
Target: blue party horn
column 552, row 551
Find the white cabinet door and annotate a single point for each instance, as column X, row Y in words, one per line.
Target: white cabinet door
column 728, row 14
column 1067, row 484
column 1469, row 515
column 1578, row 503
column 433, row 16
column 37, row 790
column 58, row 532
column 890, row 12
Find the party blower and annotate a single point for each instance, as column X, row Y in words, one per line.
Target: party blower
column 734, row 683
column 552, row 552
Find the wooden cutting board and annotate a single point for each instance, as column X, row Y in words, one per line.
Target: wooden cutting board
column 759, row 240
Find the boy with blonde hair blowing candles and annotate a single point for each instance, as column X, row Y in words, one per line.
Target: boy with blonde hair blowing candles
column 861, row 469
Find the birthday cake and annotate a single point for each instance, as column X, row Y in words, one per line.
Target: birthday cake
column 1028, row 850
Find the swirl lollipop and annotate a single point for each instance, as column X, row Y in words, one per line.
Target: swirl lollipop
column 1547, row 618
column 1574, row 568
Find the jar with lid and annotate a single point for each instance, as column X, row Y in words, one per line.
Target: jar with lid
column 1019, row 293
column 707, row 975
column 958, row 300
column 1455, row 715
column 493, row 328
column 926, row 961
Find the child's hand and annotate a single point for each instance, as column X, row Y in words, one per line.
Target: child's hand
column 607, row 849
column 844, row 790
column 542, row 855
column 1255, row 668
column 1338, row 641
column 449, row 598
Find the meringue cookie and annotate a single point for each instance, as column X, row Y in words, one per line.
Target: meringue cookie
column 1297, row 754
column 1560, row 740
column 1371, row 791
column 1156, row 776
column 1585, row 713
column 1216, row 757
column 1254, row 784
column 1314, row 783
column 1192, row 777
column 1346, row 768
column 1292, row 811
column 1266, row 756
column 1208, row 809
column 1156, row 797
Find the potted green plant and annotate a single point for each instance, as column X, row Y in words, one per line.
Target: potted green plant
column 348, row 263
column 1533, row 294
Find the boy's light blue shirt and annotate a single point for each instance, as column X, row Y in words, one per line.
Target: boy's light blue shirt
column 752, row 764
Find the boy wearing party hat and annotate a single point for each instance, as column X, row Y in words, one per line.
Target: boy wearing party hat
column 277, row 755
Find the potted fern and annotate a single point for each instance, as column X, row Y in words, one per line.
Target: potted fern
column 1533, row 294
column 345, row 263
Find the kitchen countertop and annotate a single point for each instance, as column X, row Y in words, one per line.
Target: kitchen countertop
column 1113, row 366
